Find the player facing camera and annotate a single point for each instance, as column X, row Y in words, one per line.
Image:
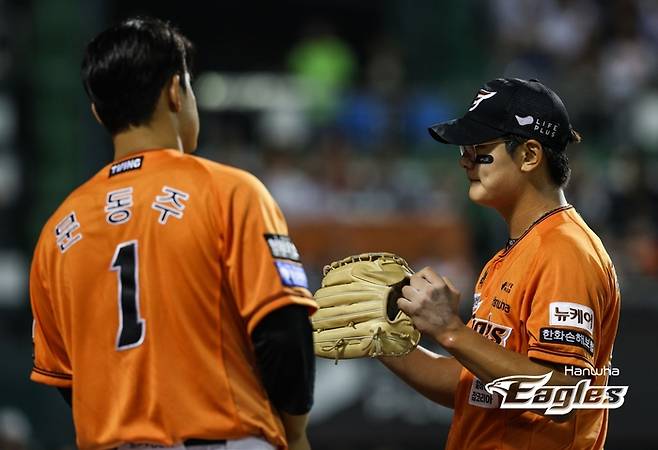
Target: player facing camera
column 511, row 123
column 548, row 299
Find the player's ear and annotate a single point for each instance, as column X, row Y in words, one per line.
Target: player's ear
column 174, row 94
column 531, row 154
column 95, row 113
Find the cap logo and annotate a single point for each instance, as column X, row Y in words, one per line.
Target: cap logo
column 481, row 95
column 527, row 120
column 546, row 128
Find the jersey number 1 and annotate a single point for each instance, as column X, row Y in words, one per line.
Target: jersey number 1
column 131, row 325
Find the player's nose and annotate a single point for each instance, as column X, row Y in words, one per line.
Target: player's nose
column 466, row 162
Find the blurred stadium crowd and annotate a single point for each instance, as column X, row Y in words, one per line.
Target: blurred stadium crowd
column 337, row 131
column 345, row 137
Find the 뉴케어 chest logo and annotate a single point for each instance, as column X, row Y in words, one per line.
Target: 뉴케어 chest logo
column 571, row 315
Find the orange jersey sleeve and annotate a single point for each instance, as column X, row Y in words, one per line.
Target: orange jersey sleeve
column 263, row 266
column 51, row 363
column 146, row 284
column 569, row 298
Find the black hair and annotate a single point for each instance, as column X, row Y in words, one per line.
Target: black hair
column 125, row 68
column 556, row 159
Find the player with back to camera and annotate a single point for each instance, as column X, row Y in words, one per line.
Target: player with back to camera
column 170, row 307
column 547, row 301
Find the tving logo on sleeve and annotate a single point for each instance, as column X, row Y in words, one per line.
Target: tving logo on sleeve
column 532, row 392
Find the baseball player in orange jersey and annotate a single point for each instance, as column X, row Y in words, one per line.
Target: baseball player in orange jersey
column 170, row 306
column 547, row 302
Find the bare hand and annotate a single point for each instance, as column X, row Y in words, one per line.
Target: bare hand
column 432, row 303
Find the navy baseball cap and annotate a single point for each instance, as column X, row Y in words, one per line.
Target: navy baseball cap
column 507, row 106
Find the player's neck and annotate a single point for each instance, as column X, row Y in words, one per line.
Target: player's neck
column 531, row 206
column 141, row 138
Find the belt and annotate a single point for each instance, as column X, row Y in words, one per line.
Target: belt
column 189, row 443
column 203, row 442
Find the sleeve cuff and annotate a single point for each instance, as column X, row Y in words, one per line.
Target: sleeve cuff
column 560, row 357
column 284, row 299
column 57, row 379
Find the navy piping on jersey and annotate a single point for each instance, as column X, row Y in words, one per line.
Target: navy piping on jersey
column 536, row 348
column 512, row 242
column 50, row 373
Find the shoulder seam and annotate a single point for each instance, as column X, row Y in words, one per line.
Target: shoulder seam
column 216, row 210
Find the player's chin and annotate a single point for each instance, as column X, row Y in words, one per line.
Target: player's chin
column 477, row 193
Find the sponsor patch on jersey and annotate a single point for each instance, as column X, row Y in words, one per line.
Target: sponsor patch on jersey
column 282, row 247
column 569, row 314
column 477, row 302
column 126, row 166
column 497, row 333
column 566, row 336
column 479, row 396
column 292, row 274
column 501, row 304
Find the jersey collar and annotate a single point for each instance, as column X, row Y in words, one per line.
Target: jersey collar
column 512, row 242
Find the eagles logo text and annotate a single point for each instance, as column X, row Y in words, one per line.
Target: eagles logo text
column 531, row 392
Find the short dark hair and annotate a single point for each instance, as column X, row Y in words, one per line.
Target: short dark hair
column 125, row 68
column 556, row 159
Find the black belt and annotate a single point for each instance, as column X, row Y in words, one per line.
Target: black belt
column 203, row 442
column 192, row 442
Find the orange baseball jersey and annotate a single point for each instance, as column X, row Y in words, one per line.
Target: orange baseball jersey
column 145, row 286
column 552, row 296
